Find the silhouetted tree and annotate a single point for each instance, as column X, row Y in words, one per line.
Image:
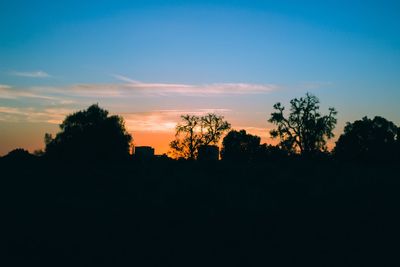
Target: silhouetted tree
column 19, row 154
column 188, row 137
column 195, row 131
column 375, row 139
column 240, row 146
column 305, row 130
column 214, row 127
column 90, row 135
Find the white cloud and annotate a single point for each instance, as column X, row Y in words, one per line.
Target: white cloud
column 133, row 89
column 196, row 89
column 4, row 86
column 18, row 114
column 66, row 99
column 123, row 78
column 152, row 121
column 149, row 122
column 31, row 74
column 161, row 120
column 7, row 92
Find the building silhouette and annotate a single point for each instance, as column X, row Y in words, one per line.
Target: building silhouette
column 144, row 152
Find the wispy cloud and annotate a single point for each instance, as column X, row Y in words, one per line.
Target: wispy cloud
column 5, row 86
column 30, row 74
column 196, row 89
column 123, row 78
column 66, row 99
column 8, row 92
column 22, row 114
column 133, row 89
column 151, row 121
column 162, row 120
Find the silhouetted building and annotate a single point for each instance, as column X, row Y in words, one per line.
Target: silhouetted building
column 144, row 152
column 208, row 153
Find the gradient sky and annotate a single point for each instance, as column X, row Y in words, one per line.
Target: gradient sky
column 151, row 61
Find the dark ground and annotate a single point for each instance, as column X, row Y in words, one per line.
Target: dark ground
column 178, row 213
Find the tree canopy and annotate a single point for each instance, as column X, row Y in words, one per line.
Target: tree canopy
column 304, row 130
column 90, row 134
column 240, row 146
column 195, row 131
column 375, row 139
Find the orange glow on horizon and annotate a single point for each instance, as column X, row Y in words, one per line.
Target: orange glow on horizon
column 30, row 136
column 158, row 140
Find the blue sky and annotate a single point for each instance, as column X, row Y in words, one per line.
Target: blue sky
column 235, row 57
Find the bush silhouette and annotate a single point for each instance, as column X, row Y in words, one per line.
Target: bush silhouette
column 90, row 135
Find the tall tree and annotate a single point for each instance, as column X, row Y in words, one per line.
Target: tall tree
column 194, row 131
column 90, row 135
column 304, row 130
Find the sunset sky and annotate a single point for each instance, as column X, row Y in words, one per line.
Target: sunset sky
column 151, row 61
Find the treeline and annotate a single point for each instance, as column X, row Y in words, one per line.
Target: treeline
column 93, row 135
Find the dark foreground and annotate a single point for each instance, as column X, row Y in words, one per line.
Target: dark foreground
column 165, row 213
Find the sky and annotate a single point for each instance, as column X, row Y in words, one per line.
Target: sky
column 152, row 61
